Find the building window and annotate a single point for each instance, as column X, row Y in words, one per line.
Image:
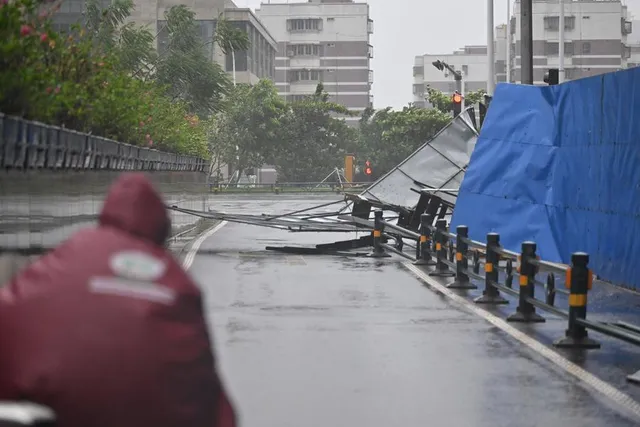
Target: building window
column 370, row 26
column 304, row 50
column 305, row 75
column 551, row 49
column 297, row 98
column 418, row 70
column 311, row 24
column 552, row 23
column 626, row 51
column 570, row 73
column 586, row 48
column 465, row 69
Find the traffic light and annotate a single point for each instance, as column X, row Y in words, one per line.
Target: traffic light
column 438, row 64
column 457, row 103
column 367, row 168
column 552, row 77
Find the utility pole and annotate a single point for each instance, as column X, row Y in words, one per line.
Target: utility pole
column 491, row 78
column 526, row 42
column 508, row 41
column 561, row 42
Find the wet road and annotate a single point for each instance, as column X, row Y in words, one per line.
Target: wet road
column 333, row 341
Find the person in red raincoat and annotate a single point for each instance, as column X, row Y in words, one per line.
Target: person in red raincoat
column 108, row 330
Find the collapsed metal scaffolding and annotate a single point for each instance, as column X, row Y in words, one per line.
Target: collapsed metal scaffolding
column 426, row 181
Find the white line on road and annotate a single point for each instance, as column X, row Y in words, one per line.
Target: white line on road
column 602, row 387
column 191, row 255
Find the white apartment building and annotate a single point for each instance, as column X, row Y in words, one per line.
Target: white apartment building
column 633, row 40
column 324, row 41
column 470, row 60
column 596, row 34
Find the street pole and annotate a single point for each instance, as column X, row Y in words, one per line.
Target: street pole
column 491, row 78
column 561, row 43
column 508, row 41
column 526, row 42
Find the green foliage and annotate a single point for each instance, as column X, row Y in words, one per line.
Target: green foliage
column 85, row 80
column 444, row 102
column 314, row 141
column 229, row 38
column 248, row 133
column 387, row 137
column 106, row 78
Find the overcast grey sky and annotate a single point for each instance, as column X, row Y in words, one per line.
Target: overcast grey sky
column 406, row 28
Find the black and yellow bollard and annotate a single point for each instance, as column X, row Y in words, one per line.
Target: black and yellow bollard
column 526, row 312
column 423, row 251
column 462, row 262
column 378, row 228
column 442, row 270
column 491, row 295
column 579, row 281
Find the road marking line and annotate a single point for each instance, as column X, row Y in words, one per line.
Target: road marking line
column 602, row 387
column 191, row 255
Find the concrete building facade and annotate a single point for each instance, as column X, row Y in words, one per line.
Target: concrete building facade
column 633, row 40
column 595, row 37
column 251, row 66
column 324, row 41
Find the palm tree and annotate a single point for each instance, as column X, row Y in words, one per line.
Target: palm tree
column 231, row 39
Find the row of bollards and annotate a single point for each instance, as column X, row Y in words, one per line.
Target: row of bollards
column 431, row 250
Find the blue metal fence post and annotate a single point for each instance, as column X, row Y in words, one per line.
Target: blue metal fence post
column 442, row 270
column 424, row 242
column 462, row 262
column 579, row 280
column 491, row 295
column 526, row 312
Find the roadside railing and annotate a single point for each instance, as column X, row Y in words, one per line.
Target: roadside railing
column 288, row 187
column 465, row 260
column 26, row 145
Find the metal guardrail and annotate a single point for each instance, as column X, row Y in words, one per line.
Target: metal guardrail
column 26, row 145
column 288, row 187
column 464, row 259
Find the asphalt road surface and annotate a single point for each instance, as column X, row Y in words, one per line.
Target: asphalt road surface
column 336, row 341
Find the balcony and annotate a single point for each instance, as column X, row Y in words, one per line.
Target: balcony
column 371, row 101
column 370, row 51
column 370, row 77
column 370, row 26
column 627, row 27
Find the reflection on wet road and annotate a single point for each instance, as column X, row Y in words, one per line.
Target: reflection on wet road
column 332, row 341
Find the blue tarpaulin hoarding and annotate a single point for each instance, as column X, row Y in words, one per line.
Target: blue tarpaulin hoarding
column 560, row 165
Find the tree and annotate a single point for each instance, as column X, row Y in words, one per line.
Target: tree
column 231, row 40
column 314, row 141
column 444, row 102
column 132, row 45
column 387, row 137
column 249, row 132
column 185, row 68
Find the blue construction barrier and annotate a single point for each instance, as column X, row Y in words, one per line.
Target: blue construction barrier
column 560, row 165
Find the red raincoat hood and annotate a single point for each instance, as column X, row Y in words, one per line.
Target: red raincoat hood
column 133, row 205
